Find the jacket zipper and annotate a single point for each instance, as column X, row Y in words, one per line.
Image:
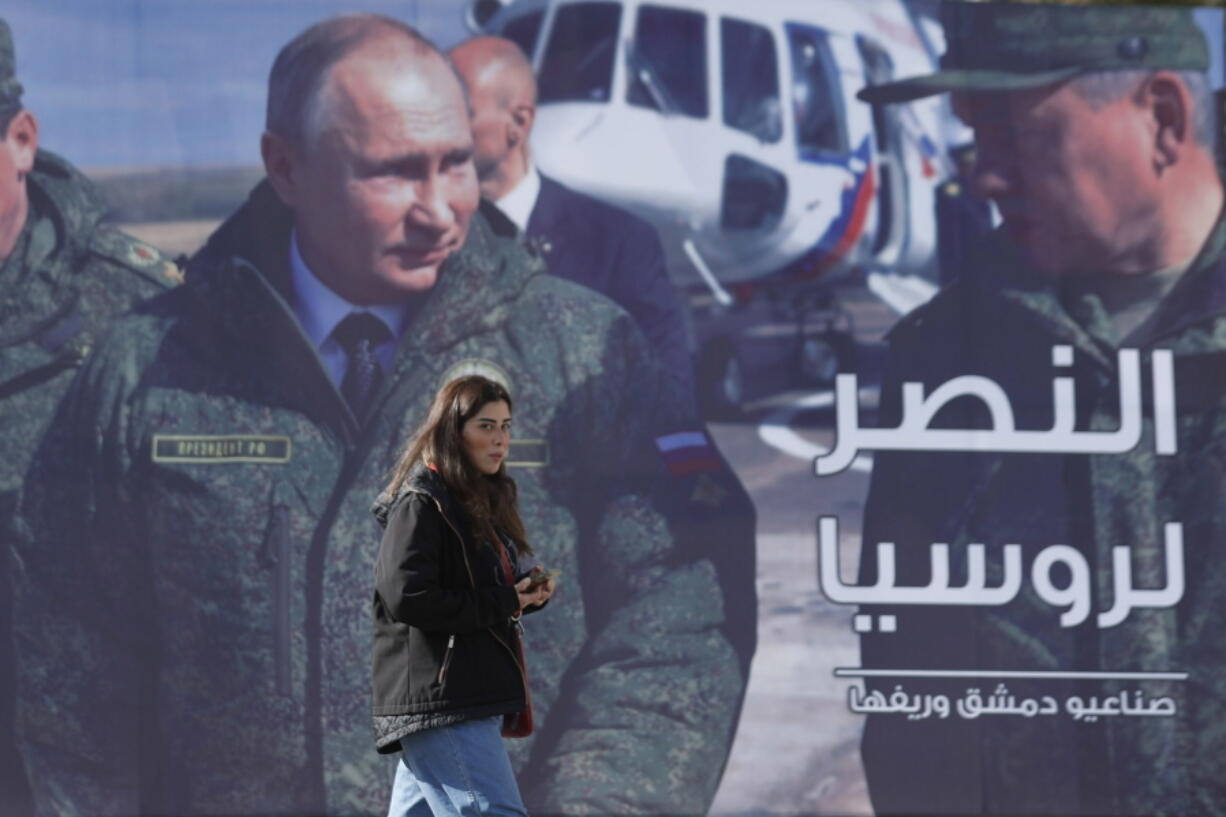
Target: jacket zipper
column 278, row 553
column 442, row 671
column 468, row 568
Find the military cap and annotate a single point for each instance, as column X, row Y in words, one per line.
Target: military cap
column 10, row 88
column 1012, row 46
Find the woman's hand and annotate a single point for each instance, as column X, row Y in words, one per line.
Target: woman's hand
column 534, row 596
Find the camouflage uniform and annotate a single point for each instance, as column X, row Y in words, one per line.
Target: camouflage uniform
column 205, row 648
column 1001, row 322
column 66, row 280
column 1150, row 766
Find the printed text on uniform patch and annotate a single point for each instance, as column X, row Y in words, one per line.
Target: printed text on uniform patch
column 221, row 449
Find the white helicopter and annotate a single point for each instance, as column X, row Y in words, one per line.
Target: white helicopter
column 734, row 129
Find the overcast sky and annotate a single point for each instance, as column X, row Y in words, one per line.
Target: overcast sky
column 164, row 82
column 140, row 83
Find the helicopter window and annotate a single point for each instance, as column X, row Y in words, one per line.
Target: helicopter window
column 578, row 64
column 750, row 80
column 668, row 61
column 816, row 95
column 523, row 31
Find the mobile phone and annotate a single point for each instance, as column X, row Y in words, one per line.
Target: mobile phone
column 539, row 577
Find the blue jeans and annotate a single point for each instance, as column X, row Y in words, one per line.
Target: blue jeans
column 460, row 770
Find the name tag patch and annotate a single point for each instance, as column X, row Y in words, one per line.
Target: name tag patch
column 221, row 448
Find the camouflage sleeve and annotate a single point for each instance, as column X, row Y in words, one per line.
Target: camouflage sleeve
column 646, row 714
column 78, row 575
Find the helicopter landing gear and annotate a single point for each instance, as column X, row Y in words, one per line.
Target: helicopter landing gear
column 822, row 356
column 792, row 340
column 721, row 379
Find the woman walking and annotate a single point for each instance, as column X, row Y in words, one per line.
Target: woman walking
column 451, row 583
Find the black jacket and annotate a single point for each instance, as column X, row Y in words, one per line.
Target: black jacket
column 619, row 255
column 445, row 641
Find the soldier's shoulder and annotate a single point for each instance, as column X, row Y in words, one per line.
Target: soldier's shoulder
column 116, row 249
column 603, row 218
column 574, row 319
column 80, row 206
column 123, row 355
column 141, row 329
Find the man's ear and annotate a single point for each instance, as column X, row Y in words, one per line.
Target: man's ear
column 1170, row 104
column 22, row 140
column 280, row 160
column 519, row 126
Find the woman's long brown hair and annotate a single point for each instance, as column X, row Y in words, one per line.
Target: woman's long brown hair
column 487, row 499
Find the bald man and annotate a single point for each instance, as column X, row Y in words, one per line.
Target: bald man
column 582, row 239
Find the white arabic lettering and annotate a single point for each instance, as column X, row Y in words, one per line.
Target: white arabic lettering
column 914, row 434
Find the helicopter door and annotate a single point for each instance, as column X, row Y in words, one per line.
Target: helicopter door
column 755, row 193
column 665, row 120
column 817, row 98
column 892, row 191
column 668, row 60
column 832, row 143
column 668, row 97
column 579, row 59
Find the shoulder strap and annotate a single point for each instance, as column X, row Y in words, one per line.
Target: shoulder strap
column 113, row 245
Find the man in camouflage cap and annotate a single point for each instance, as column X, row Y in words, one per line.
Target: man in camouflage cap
column 194, row 593
column 64, row 277
column 1095, row 135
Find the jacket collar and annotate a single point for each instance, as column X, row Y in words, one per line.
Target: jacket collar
column 421, row 480
column 520, row 202
column 1198, row 298
column 249, row 253
column 78, row 205
column 549, row 210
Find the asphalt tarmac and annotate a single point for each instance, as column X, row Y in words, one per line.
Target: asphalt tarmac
column 797, row 745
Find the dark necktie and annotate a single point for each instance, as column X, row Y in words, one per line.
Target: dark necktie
column 359, row 335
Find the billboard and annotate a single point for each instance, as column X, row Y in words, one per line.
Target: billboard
column 876, row 431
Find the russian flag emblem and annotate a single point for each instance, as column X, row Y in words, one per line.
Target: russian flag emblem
column 687, row 452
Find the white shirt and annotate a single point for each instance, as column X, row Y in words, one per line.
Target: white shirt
column 517, row 205
column 319, row 310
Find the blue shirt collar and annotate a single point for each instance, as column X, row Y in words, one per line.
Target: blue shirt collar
column 319, row 309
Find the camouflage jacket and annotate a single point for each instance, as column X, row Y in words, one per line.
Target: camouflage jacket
column 1003, row 324
column 67, row 278
column 195, row 593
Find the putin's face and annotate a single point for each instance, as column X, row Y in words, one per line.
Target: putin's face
column 385, row 188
